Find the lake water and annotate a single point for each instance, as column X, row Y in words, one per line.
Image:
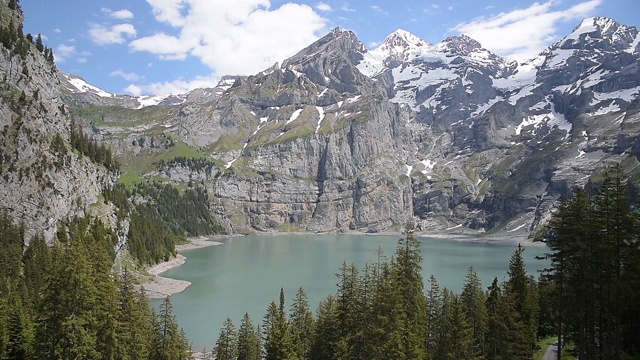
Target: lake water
column 246, row 273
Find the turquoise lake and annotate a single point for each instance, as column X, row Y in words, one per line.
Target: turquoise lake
column 246, row 273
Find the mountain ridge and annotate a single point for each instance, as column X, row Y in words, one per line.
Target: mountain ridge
column 342, row 138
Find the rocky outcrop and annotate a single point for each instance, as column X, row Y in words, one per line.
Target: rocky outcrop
column 42, row 179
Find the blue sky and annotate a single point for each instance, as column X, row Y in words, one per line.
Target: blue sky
column 172, row 46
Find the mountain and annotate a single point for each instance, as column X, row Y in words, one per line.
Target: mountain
column 448, row 135
column 79, row 93
column 43, row 180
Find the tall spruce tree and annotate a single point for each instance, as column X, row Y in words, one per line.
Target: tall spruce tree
column 249, row 347
column 474, row 305
column 226, row 345
column 301, row 325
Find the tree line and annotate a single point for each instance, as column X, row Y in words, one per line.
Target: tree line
column 63, row 302
column 161, row 216
column 12, row 37
column 97, row 153
column 593, row 284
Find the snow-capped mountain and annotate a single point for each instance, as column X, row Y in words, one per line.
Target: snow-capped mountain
column 426, row 77
column 87, row 94
column 339, row 137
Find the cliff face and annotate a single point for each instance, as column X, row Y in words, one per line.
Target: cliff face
column 42, row 180
column 339, row 138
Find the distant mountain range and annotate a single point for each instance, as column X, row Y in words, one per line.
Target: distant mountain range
column 340, row 138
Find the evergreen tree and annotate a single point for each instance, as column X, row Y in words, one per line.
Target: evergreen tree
column 277, row 343
column 497, row 333
column 249, row 347
column 170, row 342
column 460, row 334
column 225, row 348
column 301, row 325
column 39, row 44
column 434, row 316
column 326, row 335
column 407, row 280
column 522, row 292
column 474, row 305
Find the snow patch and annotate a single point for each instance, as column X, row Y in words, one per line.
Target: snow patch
column 632, row 48
column 586, row 26
column 559, row 57
column 627, row 95
column 294, row 116
column 409, row 169
column 612, row 107
column 82, row 86
column 553, row 119
column 518, row 228
column 322, row 115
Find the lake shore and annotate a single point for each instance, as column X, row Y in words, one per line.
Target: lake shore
column 159, row 287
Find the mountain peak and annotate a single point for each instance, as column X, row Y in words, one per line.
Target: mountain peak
column 461, row 45
column 404, row 39
column 600, row 33
column 589, row 25
column 400, row 45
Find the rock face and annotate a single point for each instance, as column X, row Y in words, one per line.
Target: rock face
column 340, row 138
column 41, row 181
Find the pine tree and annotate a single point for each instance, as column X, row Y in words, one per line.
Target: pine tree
column 434, row 316
column 522, row 292
column 39, row 44
column 248, row 346
column 460, row 334
column 497, row 328
column 170, row 342
column 225, row 348
column 326, row 335
column 407, row 280
column 276, row 341
column 301, row 325
column 474, row 305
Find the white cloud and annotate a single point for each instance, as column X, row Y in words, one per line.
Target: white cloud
column 231, row 37
column 129, row 76
column 57, row 31
column 379, row 10
column 123, row 14
column 63, row 52
column 347, row 8
column 323, row 7
column 168, row 11
column 178, row 86
column 523, row 33
column 103, row 35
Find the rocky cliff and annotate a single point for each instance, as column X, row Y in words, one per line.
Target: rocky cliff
column 339, row 138
column 42, row 179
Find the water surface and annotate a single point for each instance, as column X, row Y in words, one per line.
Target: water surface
column 246, row 273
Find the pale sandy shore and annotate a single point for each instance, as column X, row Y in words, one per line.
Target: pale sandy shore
column 159, row 287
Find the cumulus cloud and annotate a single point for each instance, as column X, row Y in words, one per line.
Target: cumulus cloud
column 231, row 37
column 123, row 14
column 103, row 35
column 523, row 33
column 129, row 76
column 63, row 52
column 324, row 7
column 179, row 86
